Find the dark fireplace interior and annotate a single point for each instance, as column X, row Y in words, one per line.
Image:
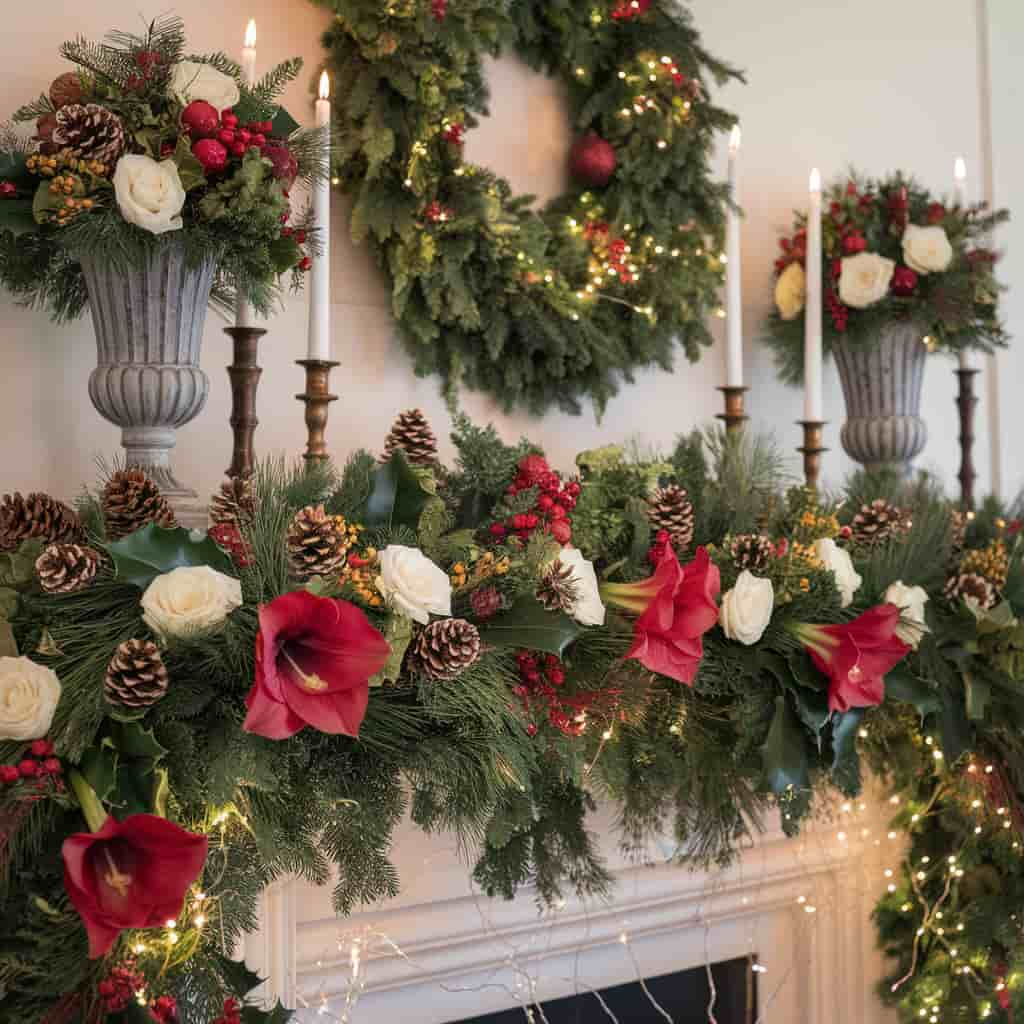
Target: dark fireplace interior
column 683, row 994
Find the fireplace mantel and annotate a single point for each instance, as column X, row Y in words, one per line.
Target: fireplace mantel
column 802, row 906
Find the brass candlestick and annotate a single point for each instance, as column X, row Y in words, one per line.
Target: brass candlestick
column 317, row 398
column 967, row 402
column 734, row 416
column 245, row 378
column 812, row 450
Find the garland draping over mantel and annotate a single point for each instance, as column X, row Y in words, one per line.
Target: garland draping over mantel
column 186, row 717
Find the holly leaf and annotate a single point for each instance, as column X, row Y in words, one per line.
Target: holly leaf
column 530, row 625
column 398, row 633
column 17, row 567
column 901, row 685
column 277, row 1014
column 845, row 759
column 190, row 170
column 398, row 497
column 133, row 741
column 240, row 980
column 784, row 753
column 153, row 551
column 978, row 693
column 283, row 124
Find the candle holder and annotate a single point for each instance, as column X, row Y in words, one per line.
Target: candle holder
column 317, row 398
column 733, row 416
column 812, row 450
column 967, row 402
column 245, row 378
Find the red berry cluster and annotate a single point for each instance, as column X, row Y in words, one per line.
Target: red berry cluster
column 596, row 231
column 541, row 676
column 904, row 281
column 555, row 501
column 8, row 190
column 232, row 1012
column 981, row 257
column 164, row 1010
column 618, row 252
column 39, row 765
column 118, row 988
column 936, row 213
column 299, row 236
column 439, row 8
column 898, row 206
column 454, row 133
column 486, row 602
column 794, row 250
column 229, row 537
column 840, row 314
column 436, row 213
column 147, row 61
column 625, row 10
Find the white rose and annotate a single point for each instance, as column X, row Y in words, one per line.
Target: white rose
column 28, row 698
column 189, row 599
column 927, row 250
column 864, row 279
column 194, row 81
column 791, row 292
column 838, row 560
column 747, row 608
column 413, row 584
column 911, row 602
column 587, row 608
column 149, row 194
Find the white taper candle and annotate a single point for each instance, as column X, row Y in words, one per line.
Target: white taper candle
column 733, row 273
column 813, row 405
column 243, row 311
column 320, row 273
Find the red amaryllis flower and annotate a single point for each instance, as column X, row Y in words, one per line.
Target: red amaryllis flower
column 130, row 874
column 677, row 606
column 855, row 655
column 314, row 658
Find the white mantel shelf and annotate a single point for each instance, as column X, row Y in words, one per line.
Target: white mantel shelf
column 821, row 967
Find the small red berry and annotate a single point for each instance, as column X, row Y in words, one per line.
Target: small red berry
column 259, row 139
column 226, row 136
column 9, row 773
column 28, row 769
column 41, row 748
column 556, row 676
column 561, row 531
column 305, row 263
column 497, row 530
column 228, row 118
column 531, row 730
column 544, row 502
column 8, row 189
column 211, row 154
column 52, row 766
column 238, row 149
column 245, row 136
column 200, row 119
column 300, row 237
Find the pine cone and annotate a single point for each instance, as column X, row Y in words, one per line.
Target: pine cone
column 751, row 551
column 90, row 132
column 62, row 568
column 37, row 517
column 971, row 587
column 445, row 649
column 136, row 676
column 131, row 501
column 412, row 434
column 317, row 543
column 486, row 602
column 878, row 523
column 557, row 588
column 670, row 509
column 233, row 504
column 66, row 89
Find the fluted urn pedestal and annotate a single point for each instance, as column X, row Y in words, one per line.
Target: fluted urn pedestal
column 882, row 388
column 149, row 328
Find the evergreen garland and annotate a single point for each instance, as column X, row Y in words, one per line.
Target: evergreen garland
column 538, row 308
column 553, row 714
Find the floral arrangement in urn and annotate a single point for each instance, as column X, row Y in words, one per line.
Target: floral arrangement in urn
column 140, row 146
column 892, row 253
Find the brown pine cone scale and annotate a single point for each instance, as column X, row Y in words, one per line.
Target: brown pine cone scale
column 412, row 435
column 131, row 500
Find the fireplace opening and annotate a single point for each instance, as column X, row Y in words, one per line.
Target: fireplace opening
column 684, row 995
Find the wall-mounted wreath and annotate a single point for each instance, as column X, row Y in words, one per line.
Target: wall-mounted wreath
column 538, row 308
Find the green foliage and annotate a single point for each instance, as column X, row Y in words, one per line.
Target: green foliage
column 490, row 292
column 142, row 556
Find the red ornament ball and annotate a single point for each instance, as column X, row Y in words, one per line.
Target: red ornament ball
column 211, row 154
column 592, row 160
column 200, row 119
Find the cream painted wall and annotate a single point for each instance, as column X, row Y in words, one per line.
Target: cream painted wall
column 881, row 88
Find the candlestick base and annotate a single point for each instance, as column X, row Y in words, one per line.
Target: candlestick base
column 967, row 402
column 812, row 450
column 245, row 378
column 317, row 397
column 733, row 416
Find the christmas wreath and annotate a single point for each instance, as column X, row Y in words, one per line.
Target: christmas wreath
column 185, row 717
column 538, row 308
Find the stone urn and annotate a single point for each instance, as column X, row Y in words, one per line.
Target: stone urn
column 882, row 388
column 149, row 321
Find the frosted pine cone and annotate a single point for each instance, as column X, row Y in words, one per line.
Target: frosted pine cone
column 878, row 523
column 671, row 510
column 90, row 132
column 233, row 504
column 137, row 676
column 131, row 500
column 445, row 649
column 62, row 568
column 36, row 517
column 318, row 543
column 411, row 434
column 971, row 588
column 557, row 589
column 751, row 551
